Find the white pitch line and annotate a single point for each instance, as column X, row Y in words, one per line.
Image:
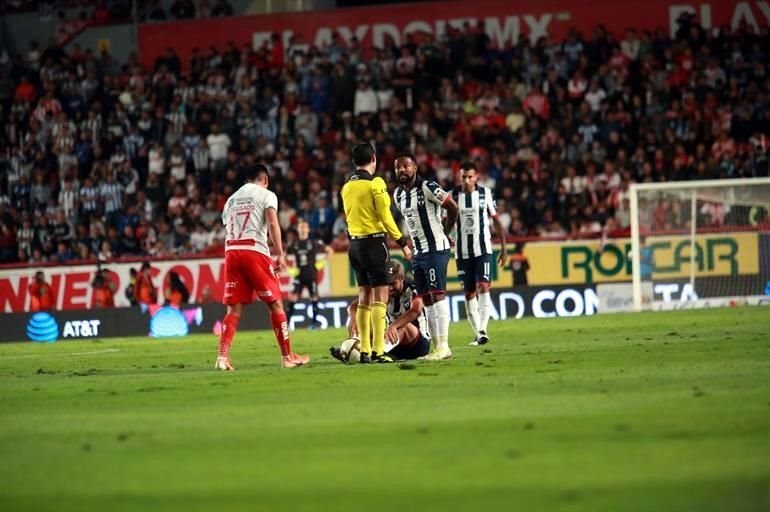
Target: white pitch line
column 42, row 356
column 5, row 358
column 105, row 351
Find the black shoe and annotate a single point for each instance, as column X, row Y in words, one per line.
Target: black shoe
column 365, row 359
column 483, row 338
column 336, row 353
column 384, row 358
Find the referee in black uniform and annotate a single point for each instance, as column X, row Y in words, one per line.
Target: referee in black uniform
column 367, row 208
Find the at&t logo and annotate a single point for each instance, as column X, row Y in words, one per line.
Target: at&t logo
column 42, row 327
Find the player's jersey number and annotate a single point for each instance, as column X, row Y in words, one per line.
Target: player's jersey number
column 238, row 223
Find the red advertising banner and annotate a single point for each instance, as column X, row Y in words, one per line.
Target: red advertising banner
column 71, row 285
column 504, row 21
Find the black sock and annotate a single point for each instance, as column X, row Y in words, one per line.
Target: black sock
column 315, row 312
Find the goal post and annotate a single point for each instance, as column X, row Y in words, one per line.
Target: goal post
column 706, row 240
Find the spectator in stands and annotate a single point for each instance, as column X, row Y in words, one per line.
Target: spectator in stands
column 203, row 9
column 559, row 130
column 8, row 244
column 41, row 294
column 183, row 9
column 25, row 92
column 322, row 218
column 129, row 245
column 222, row 8
column 218, row 144
column 156, row 12
column 365, row 99
column 101, row 13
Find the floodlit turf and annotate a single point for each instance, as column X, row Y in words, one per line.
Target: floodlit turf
column 658, row 412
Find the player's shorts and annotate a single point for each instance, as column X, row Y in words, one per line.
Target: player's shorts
column 369, row 257
column 413, row 351
column 474, row 271
column 430, row 272
column 247, row 272
column 306, row 282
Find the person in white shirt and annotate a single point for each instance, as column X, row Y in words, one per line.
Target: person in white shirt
column 200, row 239
column 219, row 144
column 595, row 96
column 630, row 46
column 577, row 86
column 177, row 163
column 250, row 215
column 365, row 99
column 489, row 101
column 157, row 159
column 573, row 183
column 384, row 94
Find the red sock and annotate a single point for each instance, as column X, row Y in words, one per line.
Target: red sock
column 281, row 330
column 229, row 326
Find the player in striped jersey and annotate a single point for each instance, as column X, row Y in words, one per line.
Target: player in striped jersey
column 473, row 248
column 407, row 335
column 420, row 203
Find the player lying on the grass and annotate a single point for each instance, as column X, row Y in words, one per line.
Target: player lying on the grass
column 407, row 335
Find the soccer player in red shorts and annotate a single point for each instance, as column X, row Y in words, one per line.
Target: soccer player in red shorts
column 249, row 215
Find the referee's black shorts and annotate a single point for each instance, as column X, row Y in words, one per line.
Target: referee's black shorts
column 369, row 258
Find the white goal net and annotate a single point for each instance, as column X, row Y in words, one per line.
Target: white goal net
column 700, row 243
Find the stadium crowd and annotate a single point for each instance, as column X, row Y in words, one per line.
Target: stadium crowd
column 104, row 11
column 105, row 159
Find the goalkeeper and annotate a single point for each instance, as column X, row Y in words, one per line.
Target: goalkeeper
column 305, row 251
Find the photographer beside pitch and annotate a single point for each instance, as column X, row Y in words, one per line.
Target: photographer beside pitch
column 367, row 210
column 408, row 323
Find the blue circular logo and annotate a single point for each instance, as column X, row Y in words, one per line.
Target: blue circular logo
column 168, row 322
column 42, row 327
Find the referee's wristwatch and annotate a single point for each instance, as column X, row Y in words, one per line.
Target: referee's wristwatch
column 402, row 242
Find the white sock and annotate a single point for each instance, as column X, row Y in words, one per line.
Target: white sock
column 472, row 311
column 432, row 323
column 443, row 317
column 485, row 303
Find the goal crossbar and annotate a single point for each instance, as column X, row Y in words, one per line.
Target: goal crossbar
column 677, row 185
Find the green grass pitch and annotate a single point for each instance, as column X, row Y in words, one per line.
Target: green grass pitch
column 649, row 412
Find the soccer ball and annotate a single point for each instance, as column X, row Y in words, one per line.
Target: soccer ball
column 351, row 350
